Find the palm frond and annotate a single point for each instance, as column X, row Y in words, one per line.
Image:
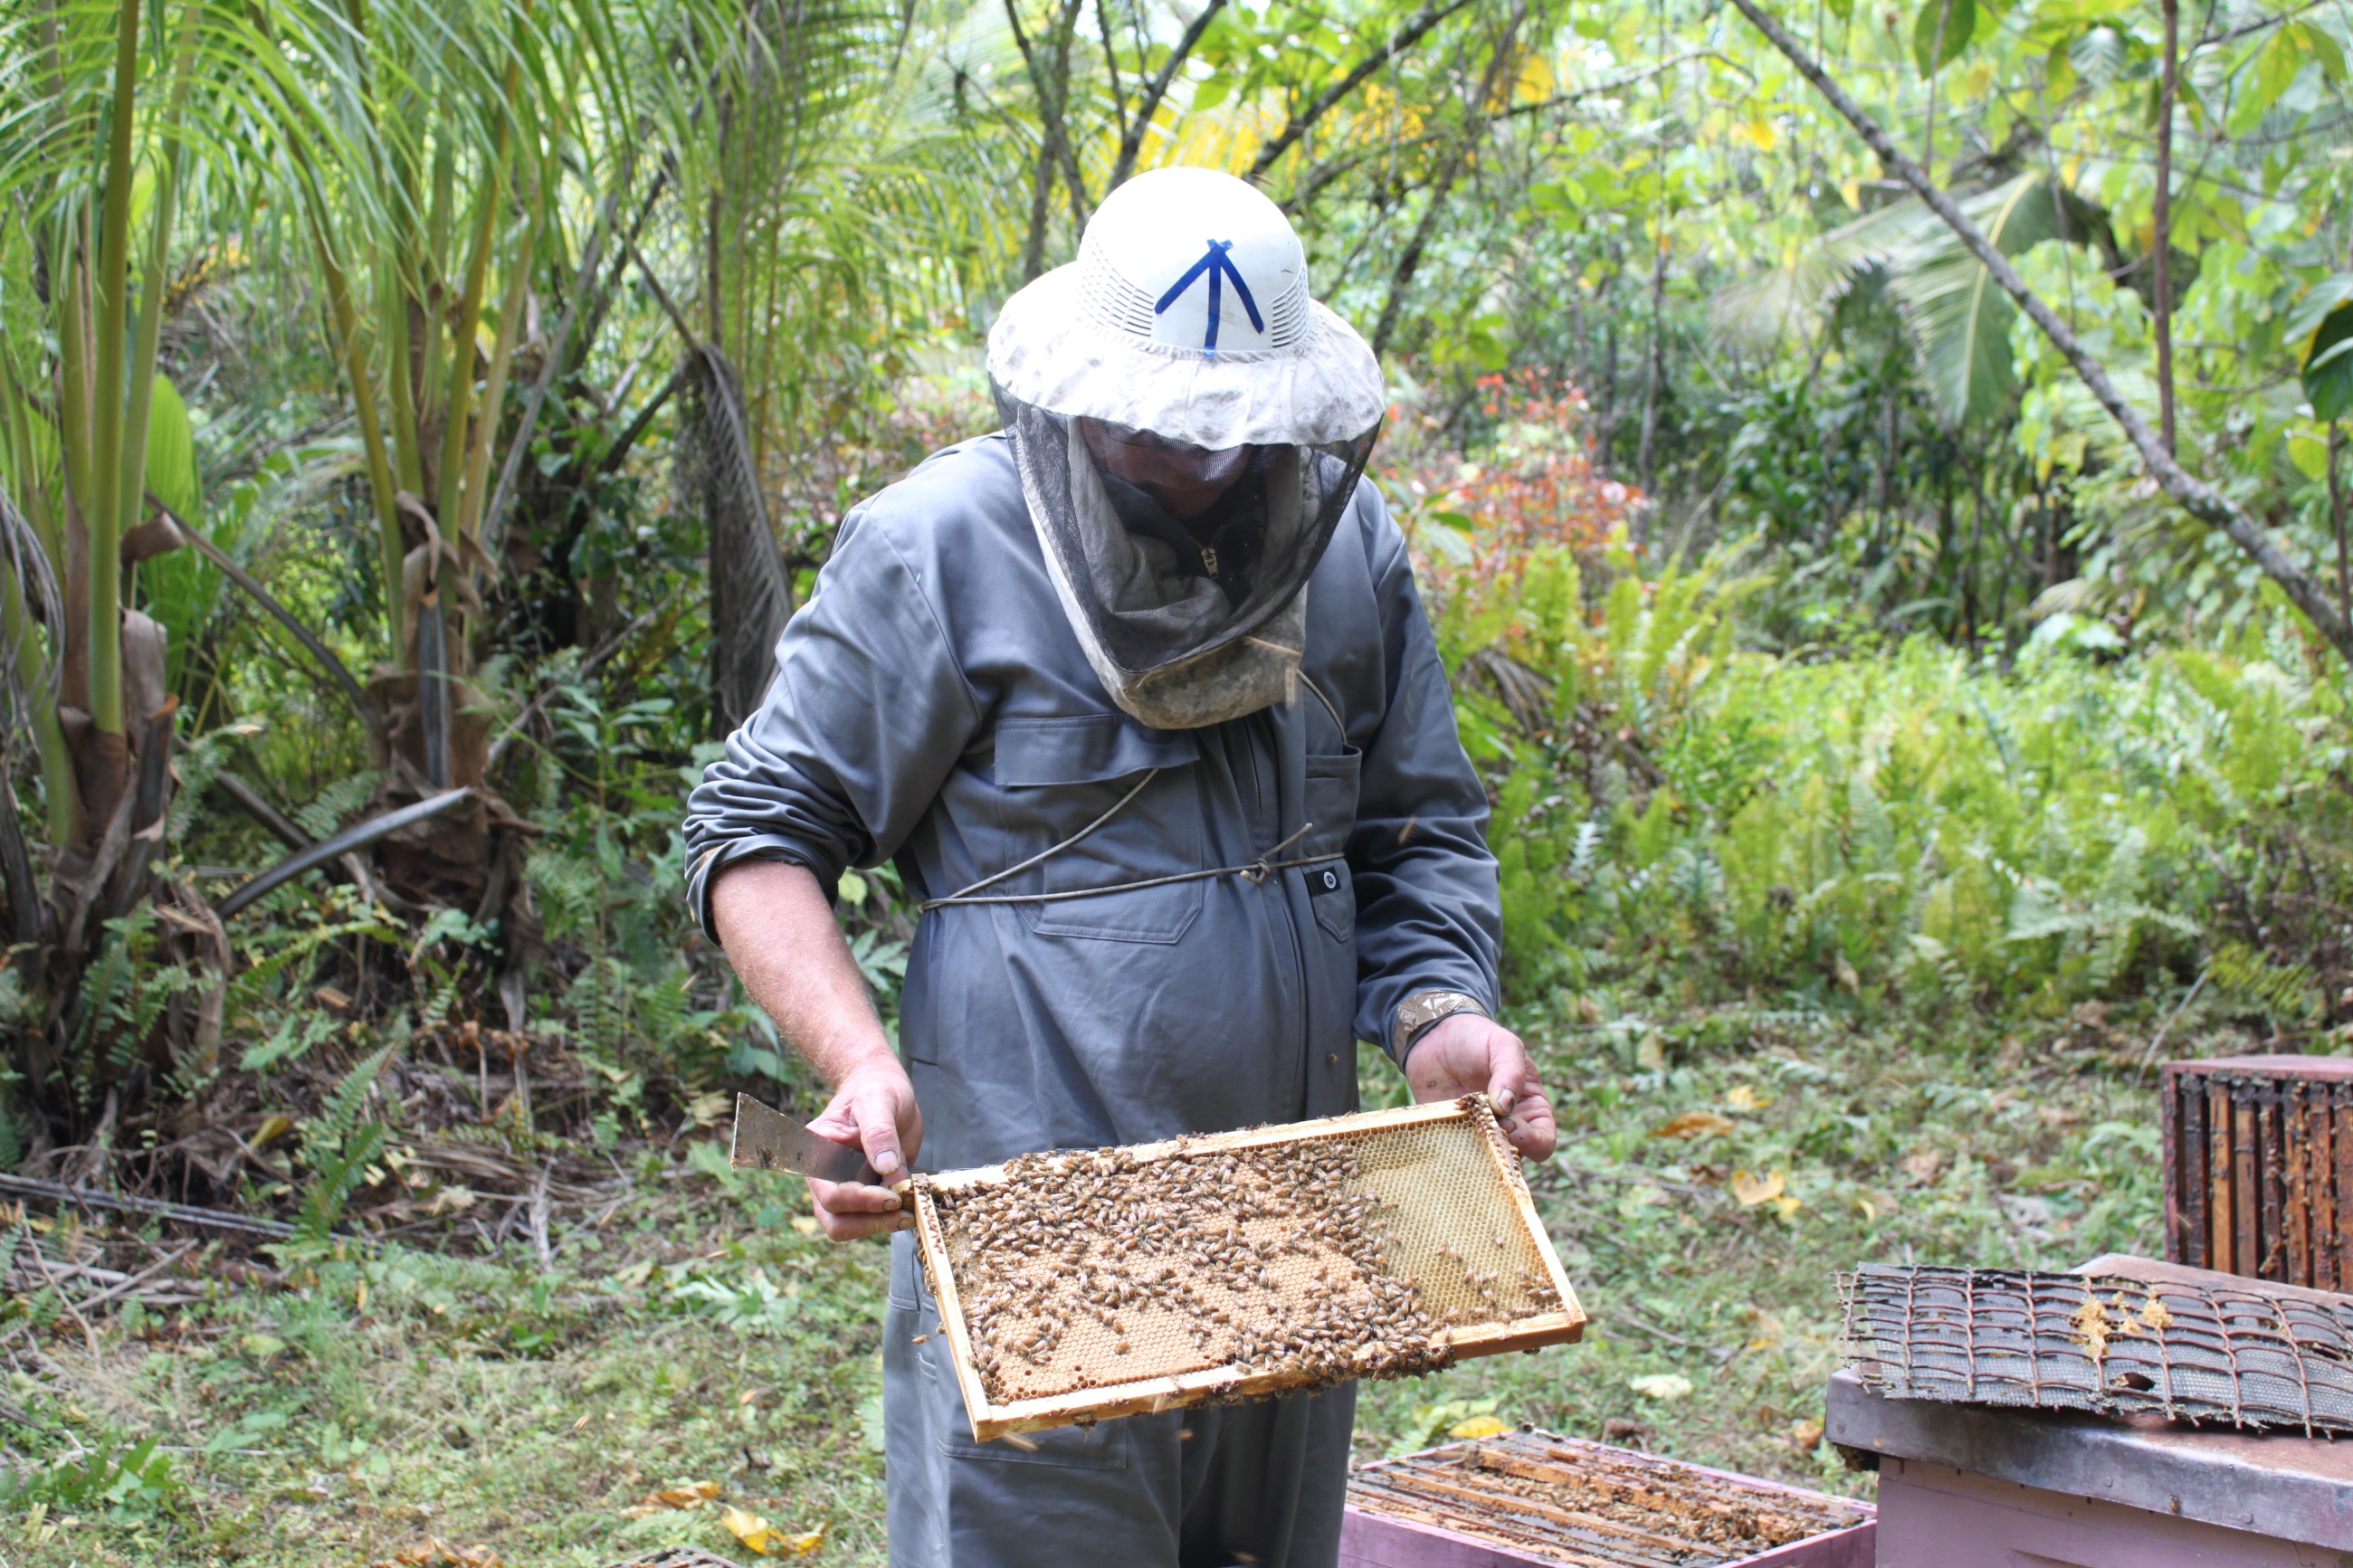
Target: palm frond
column 1958, row 319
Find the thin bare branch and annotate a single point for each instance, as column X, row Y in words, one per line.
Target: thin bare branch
column 336, row 670
column 1132, row 135
column 1301, row 123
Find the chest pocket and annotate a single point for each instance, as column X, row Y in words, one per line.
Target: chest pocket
column 1056, row 776
column 1331, row 805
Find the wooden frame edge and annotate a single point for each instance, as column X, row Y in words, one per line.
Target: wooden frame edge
column 1523, row 1203
column 932, row 1242
column 1355, row 1123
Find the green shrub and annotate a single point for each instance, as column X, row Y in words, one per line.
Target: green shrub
column 1908, row 826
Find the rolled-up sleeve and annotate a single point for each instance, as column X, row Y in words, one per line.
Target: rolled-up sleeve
column 867, row 714
column 1429, row 909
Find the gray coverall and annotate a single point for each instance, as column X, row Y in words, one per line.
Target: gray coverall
column 931, row 707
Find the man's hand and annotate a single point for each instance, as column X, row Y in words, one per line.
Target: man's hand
column 874, row 1108
column 779, row 932
column 1464, row 1052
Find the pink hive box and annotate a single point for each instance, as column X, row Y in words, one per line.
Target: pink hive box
column 1964, row 1486
column 1533, row 1498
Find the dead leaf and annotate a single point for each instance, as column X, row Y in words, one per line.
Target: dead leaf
column 1752, row 1190
column 1696, row 1124
column 693, row 1494
column 1922, row 1164
column 751, row 1530
column 271, row 1127
column 758, row 1535
column 1651, row 1056
column 1478, row 1427
column 2058, row 1116
column 1847, row 978
column 1741, row 1096
column 436, row 1552
column 806, row 1224
column 1805, row 1435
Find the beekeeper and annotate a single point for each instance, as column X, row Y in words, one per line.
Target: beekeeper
column 1137, row 695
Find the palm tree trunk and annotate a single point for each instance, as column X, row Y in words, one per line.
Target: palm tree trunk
column 104, row 517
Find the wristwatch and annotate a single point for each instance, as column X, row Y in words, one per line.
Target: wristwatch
column 1422, row 1009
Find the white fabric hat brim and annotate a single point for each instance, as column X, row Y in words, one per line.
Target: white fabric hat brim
column 1047, row 350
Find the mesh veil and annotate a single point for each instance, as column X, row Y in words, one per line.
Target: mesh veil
column 1173, row 648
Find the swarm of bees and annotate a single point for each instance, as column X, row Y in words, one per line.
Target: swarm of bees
column 1091, row 1269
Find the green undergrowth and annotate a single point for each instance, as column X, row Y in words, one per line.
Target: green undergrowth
column 698, row 1336
column 390, row 1403
column 1680, row 812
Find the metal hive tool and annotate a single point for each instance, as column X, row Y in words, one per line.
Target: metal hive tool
column 1537, row 1497
column 2200, row 1350
column 1452, row 1204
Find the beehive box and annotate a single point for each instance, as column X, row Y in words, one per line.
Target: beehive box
column 1534, row 1497
column 2258, row 1155
column 1081, row 1285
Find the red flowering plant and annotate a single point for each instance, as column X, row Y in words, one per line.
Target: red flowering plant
column 1569, row 661
column 1534, row 487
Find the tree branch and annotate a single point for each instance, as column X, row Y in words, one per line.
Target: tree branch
column 584, row 281
column 1404, row 38
column 361, row 704
column 1409, row 260
column 355, row 837
column 637, row 427
column 1132, row 135
column 2193, row 495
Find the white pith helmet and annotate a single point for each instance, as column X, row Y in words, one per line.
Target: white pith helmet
column 1187, row 314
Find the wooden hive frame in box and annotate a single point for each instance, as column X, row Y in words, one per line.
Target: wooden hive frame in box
column 2258, row 1157
column 1469, row 1185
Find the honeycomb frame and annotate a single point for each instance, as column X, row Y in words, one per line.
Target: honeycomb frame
column 1477, row 1208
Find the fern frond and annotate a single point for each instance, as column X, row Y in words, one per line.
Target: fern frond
column 341, row 1113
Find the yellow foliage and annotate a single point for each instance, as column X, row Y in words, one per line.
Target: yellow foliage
column 1695, row 1124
